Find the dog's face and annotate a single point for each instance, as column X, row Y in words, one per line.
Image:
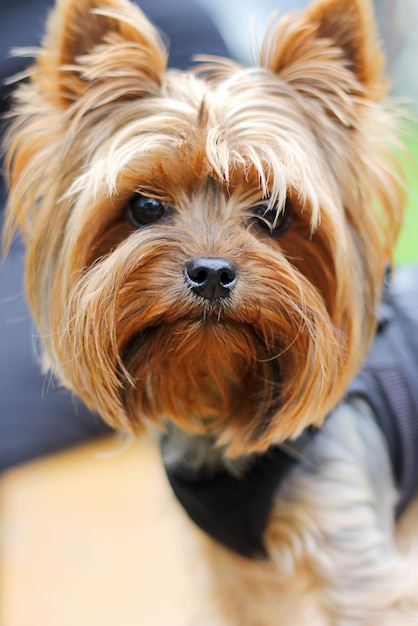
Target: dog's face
column 206, row 247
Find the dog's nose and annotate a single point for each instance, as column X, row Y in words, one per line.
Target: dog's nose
column 211, row 277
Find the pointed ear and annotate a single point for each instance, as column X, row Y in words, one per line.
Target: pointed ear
column 96, row 41
column 344, row 29
column 350, row 24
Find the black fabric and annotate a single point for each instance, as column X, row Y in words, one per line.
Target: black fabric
column 234, row 510
column 388, row 381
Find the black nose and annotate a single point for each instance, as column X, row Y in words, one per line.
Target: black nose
column 211, row 277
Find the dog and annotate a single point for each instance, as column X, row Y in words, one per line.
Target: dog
column 207, row 257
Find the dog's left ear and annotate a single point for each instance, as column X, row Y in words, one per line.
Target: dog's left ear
column 329, row 30
column 98, row 42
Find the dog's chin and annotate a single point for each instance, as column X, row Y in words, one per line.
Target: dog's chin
column 227, row 379
column 208, row 377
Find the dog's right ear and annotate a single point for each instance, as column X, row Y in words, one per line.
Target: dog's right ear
column 310, row 49
column 98, row 43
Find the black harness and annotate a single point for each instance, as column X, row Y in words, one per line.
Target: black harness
column 388, row 382
column 235, row 510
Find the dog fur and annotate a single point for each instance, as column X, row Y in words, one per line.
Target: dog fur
column 287, row 170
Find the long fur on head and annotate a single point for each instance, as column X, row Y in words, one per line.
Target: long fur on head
column 102, row 119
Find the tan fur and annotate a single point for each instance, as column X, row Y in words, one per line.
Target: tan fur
column 101, row 119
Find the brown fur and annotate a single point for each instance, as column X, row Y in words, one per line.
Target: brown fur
column 94, row 126
column 101, row 119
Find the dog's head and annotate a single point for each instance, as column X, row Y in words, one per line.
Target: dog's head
column 207, row 247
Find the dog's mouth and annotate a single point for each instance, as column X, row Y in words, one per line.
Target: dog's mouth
column 205, row 379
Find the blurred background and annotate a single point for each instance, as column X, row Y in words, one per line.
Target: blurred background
column 87, row 535
column 237, row 21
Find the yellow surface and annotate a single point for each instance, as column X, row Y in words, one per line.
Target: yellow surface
column 95, row 540
column 89, row 539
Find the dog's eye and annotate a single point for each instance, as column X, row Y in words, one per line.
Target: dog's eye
column 145, row 210
column 267, row 216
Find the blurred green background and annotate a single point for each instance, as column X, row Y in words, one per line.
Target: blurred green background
column 407, row 248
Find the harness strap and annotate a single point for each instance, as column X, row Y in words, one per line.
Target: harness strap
column 388, row 382
column 234, row 510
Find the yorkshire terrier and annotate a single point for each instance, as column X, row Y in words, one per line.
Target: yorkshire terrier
column 207, row 254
